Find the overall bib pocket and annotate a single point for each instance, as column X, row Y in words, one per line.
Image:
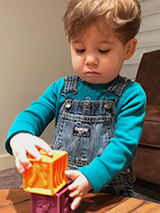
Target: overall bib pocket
column 83, row 137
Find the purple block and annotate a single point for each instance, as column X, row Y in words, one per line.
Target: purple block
column 58, row 203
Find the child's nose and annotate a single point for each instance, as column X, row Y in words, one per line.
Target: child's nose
column 91, row 60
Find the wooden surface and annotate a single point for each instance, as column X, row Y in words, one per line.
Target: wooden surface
column 18, row 201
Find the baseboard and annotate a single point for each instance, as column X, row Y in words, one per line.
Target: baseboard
column 6, row 162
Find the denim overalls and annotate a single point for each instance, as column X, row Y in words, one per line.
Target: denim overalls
column 84, row 129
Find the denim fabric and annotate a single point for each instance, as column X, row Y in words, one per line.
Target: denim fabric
column 80, row 135
column 84, row 129
column 123, row 189
column 122, row 184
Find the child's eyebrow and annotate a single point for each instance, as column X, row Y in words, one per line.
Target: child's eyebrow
column 77, row 41
column 106, row 42
column 100, row 42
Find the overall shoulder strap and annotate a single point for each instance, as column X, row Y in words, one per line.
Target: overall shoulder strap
column 71, row 83
column 118, row 85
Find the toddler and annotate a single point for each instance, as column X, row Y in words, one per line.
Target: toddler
column 98, row 113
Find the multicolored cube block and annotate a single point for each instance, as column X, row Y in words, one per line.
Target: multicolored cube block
column 58, row 203
column 47, row 176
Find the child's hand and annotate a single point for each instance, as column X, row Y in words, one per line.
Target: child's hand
column 78, row 188
column 24, row 143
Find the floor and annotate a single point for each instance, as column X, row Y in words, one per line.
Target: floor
column 147, row 191
column 11, row 178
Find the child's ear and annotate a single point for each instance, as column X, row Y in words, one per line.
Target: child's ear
column 130, row 48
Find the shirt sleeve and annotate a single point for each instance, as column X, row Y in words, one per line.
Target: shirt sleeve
column 37, row 116
column 122, row 147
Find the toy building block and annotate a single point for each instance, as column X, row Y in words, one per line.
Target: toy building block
column 58, row 203
column 46, row 176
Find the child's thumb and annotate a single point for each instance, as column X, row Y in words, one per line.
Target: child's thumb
column 73, row 174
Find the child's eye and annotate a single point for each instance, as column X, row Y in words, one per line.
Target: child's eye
column 104, row 51
column 80, row 50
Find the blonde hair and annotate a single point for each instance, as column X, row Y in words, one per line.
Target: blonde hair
column 123, row 16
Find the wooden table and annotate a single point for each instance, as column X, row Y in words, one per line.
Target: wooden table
column 18, row 201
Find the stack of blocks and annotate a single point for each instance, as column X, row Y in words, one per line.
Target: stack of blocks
column 47, row 183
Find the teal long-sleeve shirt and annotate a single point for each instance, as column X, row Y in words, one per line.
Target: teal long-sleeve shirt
column 122, row 148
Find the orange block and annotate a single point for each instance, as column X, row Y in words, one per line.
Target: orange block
column 46, row 176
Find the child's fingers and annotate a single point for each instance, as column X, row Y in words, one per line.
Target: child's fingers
column 76, row 202
column 24, row 143
column 40, row 143
column 73, row 174
column 32, row 150
column 19, row 166
column 74, row 193
column 22, row 161
column 73, row 186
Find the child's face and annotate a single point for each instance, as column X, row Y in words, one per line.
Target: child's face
column 97, row 57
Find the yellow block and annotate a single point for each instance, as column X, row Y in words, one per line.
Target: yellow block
column 46, row 176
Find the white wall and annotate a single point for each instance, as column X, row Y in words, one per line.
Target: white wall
column 148, row 37
column 33, row 53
